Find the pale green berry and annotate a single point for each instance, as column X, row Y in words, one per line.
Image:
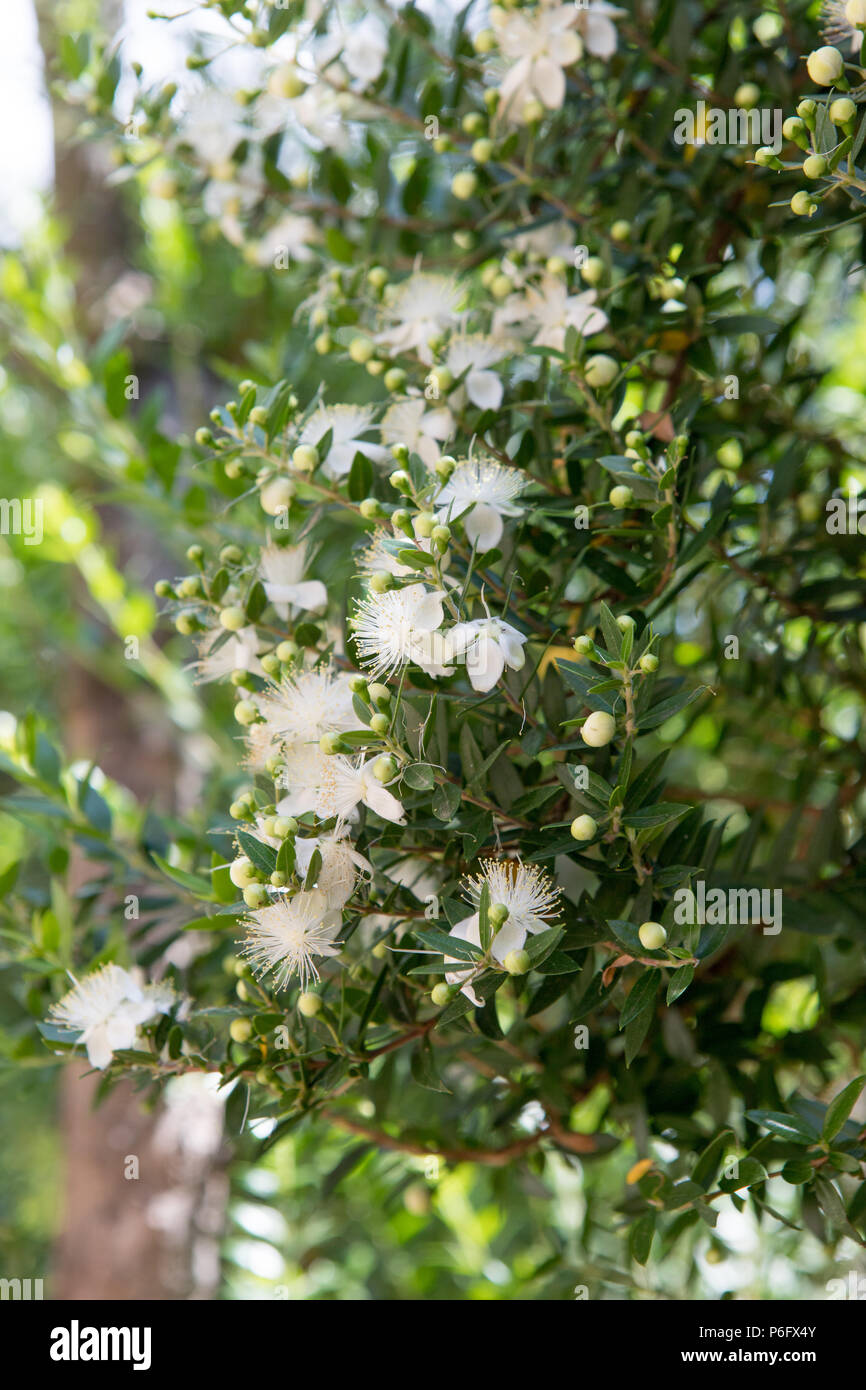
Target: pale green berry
column 233, row 619
column 464, row 184
column 276, row 496
column 598, row 729
column 621, row 496
column 600, row 370
column 246, row 712
column 815, row 166
column 385, row 769
column 584, row 828
column 652, row 935
column 305, row 458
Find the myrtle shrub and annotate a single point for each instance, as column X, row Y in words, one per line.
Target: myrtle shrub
column 528, row 553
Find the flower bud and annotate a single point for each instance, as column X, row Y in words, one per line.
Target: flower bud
column 815, row 166
column 517, row 962
column 842, row 111
column 444, row 467
column 242, row 872
column 441, row 995
column 767, row 158
column 241, row 1030
column 271, row 664
column 379, row 693
column 625, row 621
column 285, row 827
column 583, row 645
column 464, row 184
column 361, row 350
column 652, row 935
column 305, row 458
column 593, row 270
column 584, row 828
column 233, row 619
column 532, row 111
column 385, row 769
column 648, row 663
column 371, row 509
column 598, row 729
column 394, row 379
column 246, row 712
column 497, row 915
column 855, row 12
column 276, row 496
column 621, row 496
column 287, row 650
column 309, row 1005
column 807, row 110
column 485, row 41
column 377, row 276
column 747, row 95
column 256, row 895
column 402, row 521
column 825, row 66
column 600, row 370
column 482, row 150
column 621, row 230
column 401, row 481
column 380, row 723
column 803, row 204
column 382, row 581
column 331, row 744
column 424, row 523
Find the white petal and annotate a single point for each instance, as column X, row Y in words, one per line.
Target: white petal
column 484, row 390
column 485, row 664
column 483, row 526
column 99, row 1048
column 382, row 802
column 548, row 82
column 600, row 35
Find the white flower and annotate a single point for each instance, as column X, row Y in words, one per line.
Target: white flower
column 487, row 645
column 423, row 431
column 551, row 310
column 239, row 653
column 531, row 897
column 379, row 555
column 281, row 569
column 838, row 28
column 304, row 706
column 399, row 627
column 287, row 935
column 345, row 784
column 595, row 27
column 290, row 238
column 213, row 125
column 489, row 489
column 478, row 353
column 362, row 51
column 539, row 43
column 419, row 309
column 348, row 423
column 320, row 118
column 340, row 864
column 107, row 1008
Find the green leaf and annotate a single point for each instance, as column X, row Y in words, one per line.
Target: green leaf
column 199, row 887
column 641, row 997
column 640, row 1238
column 840, row 1108
column 262, row 856
column 420, row 776
column 446, row 799
column 679, row 982
column 789, row 1127
column 749, row 1173
column 710, row 1160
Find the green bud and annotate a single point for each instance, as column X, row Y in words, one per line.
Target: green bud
column 517, row 962
column 652, row 935
column 584, row 828
column 309, row 1005
column 241, row 1030
column 256, row 896
column 287, row 650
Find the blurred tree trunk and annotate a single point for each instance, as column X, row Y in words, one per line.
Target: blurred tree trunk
column 144, row 1194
